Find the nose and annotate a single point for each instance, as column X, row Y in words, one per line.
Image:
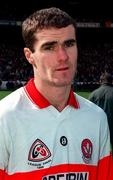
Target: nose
column 62, row 54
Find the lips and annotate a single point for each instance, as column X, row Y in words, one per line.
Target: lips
column 62, row 69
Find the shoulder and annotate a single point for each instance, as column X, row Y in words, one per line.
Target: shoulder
column 97, row 92
column 89, row 107
column 10, row 102
column 94, row 116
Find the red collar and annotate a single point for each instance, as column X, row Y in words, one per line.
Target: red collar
column 37, row 98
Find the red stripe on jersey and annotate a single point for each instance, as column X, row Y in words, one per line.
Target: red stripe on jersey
column 55, row 170
column 2, row 174
column 37, row 98
column 100, row 172
column 105, row 168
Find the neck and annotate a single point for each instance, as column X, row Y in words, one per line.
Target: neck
column 57, row 96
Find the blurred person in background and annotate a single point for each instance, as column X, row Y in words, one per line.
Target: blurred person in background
column 46, row 130
column 103, row 97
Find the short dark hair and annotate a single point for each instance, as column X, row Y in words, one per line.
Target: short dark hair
column 106, row 78
column 44, row 19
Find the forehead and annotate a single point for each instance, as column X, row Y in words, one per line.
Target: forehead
column 55, row 34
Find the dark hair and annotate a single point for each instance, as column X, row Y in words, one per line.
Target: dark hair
column 106, row 78
column 44, row 19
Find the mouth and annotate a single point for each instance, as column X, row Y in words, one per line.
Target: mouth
column 62, row 69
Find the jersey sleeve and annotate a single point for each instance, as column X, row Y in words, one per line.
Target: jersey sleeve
column 105, row 165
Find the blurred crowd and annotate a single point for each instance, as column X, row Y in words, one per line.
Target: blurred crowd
column 14, row 68
column 13, row 65
column 93, row 59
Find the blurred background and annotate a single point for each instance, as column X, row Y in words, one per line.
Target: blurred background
column 95, row 40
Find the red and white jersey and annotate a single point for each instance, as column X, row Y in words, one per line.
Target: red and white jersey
column 37, row 142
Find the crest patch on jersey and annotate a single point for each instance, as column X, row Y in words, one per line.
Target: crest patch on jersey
column 87, row 149
column 38, row 151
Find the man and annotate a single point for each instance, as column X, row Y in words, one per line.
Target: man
column 46, row 131
column 103, row 97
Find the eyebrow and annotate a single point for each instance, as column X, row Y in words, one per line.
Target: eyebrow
column 51, row 43
column 48, row 44
column 70, row 40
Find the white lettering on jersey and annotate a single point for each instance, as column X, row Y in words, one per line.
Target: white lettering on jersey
column 68, row 176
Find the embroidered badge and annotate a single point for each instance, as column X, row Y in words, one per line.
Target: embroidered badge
column 38, row 151
column 87, row 149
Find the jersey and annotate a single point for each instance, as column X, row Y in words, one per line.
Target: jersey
column 103, row 97
column 38, row 142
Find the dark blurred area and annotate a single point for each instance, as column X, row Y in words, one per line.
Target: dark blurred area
column 12, row 12
column 79, row 9
column 94, row 36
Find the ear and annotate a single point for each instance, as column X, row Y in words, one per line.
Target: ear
column 29, row 55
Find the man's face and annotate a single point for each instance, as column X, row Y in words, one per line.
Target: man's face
column 55, row 57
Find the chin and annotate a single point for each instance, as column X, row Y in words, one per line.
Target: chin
column 62, row 84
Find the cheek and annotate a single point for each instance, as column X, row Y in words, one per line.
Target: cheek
column 48, row 61
column 73, row 55
column 38, row 61
column 44, row 64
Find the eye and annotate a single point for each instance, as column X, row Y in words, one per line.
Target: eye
column 49, row 48
column 69, row 43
